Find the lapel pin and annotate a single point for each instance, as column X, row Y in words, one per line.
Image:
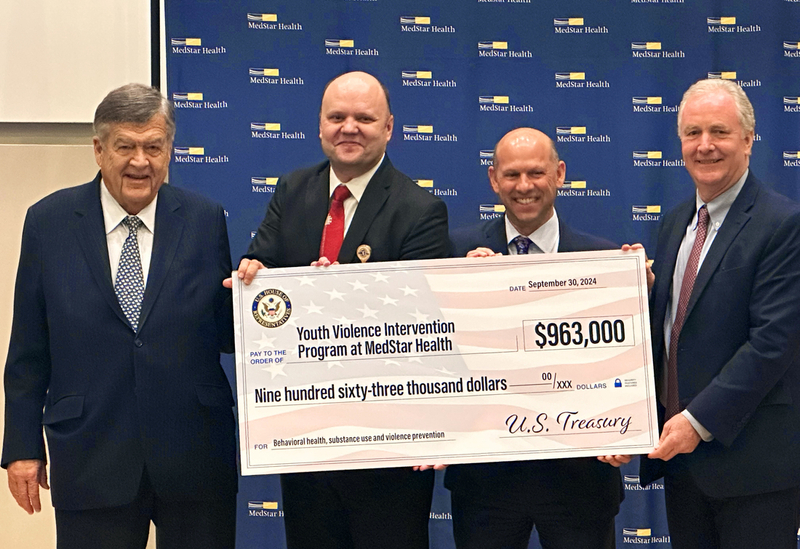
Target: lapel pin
column 363, row 252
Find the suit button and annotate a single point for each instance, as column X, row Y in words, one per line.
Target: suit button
column 138, row 343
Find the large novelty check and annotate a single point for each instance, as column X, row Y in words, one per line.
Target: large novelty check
column 444, row 361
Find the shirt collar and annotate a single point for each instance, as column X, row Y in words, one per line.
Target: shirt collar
column 113, row 213
column 545, row 237
column 721, row 205
column 357, row 185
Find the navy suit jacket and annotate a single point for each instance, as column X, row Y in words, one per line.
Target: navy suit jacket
column 590, row 488
column 113, row 401
column 395, row 217
column 492, row 234
column 739, row 348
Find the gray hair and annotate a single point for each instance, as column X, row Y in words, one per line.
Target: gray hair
column 133, row 104
column 744, row 109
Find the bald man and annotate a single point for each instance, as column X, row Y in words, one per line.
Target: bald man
column 572, row 502
column 387, row 212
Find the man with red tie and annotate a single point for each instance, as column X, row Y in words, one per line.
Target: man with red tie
column 726, row 339
column 353, row 207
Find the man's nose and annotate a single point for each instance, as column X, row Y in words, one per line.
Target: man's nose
column 525, row 182
column 706, row 142
column 139, row 158
column 349, row 125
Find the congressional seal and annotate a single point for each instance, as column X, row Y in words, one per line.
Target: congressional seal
column 272, row 308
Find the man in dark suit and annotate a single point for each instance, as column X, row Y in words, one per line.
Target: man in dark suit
column 572, row 502
column 119, row 319
column 382, row 216
column 726, row 339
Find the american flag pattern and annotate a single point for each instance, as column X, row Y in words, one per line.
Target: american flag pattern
column 488, row 344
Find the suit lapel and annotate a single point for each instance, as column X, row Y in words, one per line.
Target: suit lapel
column 737, row 218
column 317, row 198
column 495, row 235
column 371, row 202
column 566, row 238
column 89, row 227
column 167, row 235
column 669, row 255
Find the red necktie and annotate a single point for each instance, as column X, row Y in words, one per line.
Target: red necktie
column 689, row 276
column 333, row 233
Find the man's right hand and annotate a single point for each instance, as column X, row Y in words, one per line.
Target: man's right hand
column 246, row 273
column 651, row 278
column 24, row 478
column 482, row 252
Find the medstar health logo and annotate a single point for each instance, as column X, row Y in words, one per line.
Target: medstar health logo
column 272, row 308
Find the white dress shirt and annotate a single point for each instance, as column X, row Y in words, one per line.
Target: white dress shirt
column 717, row 211
column 357, row 186
column 116, row 232
column 545, row 238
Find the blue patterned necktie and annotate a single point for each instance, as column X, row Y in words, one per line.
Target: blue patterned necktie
column 522, row 243
column 129, row 285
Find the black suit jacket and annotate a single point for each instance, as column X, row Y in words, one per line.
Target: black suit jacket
column 739, row 348
column 116, row 401
column 398, row 220
column 395, row 217
column 590, row 488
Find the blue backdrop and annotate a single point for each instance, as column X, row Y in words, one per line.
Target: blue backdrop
column 604, row 79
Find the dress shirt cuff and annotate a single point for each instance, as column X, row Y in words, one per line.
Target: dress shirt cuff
column 702, row 431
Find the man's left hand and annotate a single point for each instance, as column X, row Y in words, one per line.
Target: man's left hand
column 678, row 437
column 615, row 460
column 437, row 467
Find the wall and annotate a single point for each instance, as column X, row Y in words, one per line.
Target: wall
column 57, row 61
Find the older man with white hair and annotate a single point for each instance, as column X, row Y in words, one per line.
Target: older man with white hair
column 119, row 320
column 726, row 339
